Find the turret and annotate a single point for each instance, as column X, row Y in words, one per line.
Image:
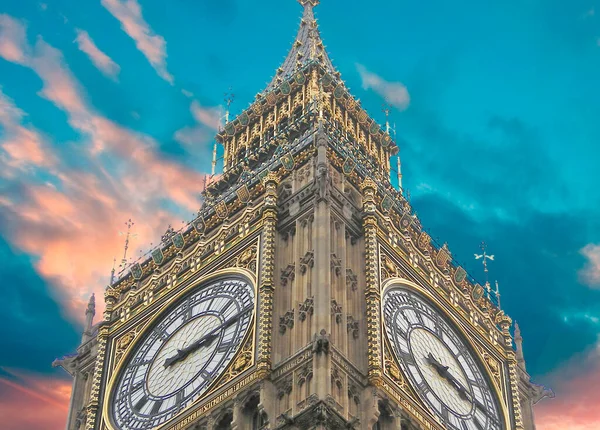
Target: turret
column 90, row 312
column 519, row 346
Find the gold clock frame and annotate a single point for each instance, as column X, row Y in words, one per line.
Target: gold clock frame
column 249, row 336
column 391, row 283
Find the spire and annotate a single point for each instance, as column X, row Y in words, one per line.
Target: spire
column 90, row 312
column 519, row 345
column 307, row 47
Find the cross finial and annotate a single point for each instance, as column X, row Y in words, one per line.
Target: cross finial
column 484, row 258
column 128, row 236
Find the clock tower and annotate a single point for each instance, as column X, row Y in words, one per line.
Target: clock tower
column 305, row 294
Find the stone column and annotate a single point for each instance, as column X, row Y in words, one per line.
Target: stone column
column 372, row 292
column 321, row 274
column 266, row 285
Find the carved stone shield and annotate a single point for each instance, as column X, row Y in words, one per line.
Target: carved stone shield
column 221, row 209
column 459, row 275
column 178, row 241
column 424, row 240
column 199, row 225
column 136, row 271
column 406, row 221
column 244, row 119
column 387, row 203
column 287, row 161
column 477, row 292
column 243, row 194
column 158, row 256
column 442, row 257
column 348, row 166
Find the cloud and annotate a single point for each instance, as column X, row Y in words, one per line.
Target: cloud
column 46, row 400
column 590, row 273
column 23, row 146
column 120, row 174
column 208, row 121
column 153, row 46
column 394, row 93
column 209, row 116
column 102, row 61
column 13, row 39
column 577, row 387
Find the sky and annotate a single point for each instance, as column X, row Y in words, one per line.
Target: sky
column 108, row 111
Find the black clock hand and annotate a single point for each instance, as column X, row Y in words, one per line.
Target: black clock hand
column 207, row 339
column 462, row 391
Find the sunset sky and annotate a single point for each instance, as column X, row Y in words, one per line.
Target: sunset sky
column 108, row 109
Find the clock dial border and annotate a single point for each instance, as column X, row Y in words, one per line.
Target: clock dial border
column 148, row 324
column 464, row 336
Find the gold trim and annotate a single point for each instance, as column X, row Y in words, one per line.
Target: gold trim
column 113, row 378
column 395, row 282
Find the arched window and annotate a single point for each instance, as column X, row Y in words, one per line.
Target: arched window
column 258, row 420
column 225, row 422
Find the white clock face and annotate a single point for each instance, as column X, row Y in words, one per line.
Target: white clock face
column 187, row 349
column 439, row 365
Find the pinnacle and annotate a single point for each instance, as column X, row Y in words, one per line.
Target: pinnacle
column 309, row 3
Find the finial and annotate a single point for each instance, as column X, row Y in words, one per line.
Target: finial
column 128, row 236
column 112, row 272
column 497, row 294
column 169, row 233
column 308, row 3
column 91, row 307
column 386, row 110
column 229, row 97
column 519, row 346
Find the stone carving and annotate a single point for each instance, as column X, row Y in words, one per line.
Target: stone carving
column 307, row 261
column 288, row 274
column 286, row 321
column 388, row 268
column 336, row 309
column 351, row 280
column 336, row 264
column 321, row 343
column 352, row 326
column 306, row 308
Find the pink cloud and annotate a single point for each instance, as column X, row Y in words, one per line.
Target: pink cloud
column 153, row 46
column 394, row 93
column 102, row 61
column 577, row 387
column 73, row 228
column 23, row 146
column 46, row 400
column 209, row 116
column 13, row 40
column 590, row 273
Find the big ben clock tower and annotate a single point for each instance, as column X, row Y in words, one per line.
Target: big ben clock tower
column 305, row 294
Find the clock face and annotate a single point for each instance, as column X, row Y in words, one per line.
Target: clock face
column 439, row 365
column 187, row 349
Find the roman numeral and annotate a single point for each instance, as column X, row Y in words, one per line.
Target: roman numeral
column 179, row 398
column 156, row 407
column 407, row 358
column 140, row 403
column 137, row 386
column 227, row 306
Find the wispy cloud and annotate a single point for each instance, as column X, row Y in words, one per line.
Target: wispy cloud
column 46, row 398
column 23, row 146
column 209, row 121
column 394, row 93
column 102, row 61
column 577, row 386
column 153, row 46
column 124, row 176
column 590, row 273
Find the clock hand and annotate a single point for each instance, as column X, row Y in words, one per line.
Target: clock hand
column 207, row 339
column 462, row 391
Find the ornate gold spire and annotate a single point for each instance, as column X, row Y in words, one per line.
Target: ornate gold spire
column 307, row 47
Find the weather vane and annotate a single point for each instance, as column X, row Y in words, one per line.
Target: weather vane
column 484, row 258
column 128, row 236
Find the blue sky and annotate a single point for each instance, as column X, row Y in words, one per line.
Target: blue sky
column 118, row 101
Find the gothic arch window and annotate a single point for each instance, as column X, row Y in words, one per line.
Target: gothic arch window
column 225, row 422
